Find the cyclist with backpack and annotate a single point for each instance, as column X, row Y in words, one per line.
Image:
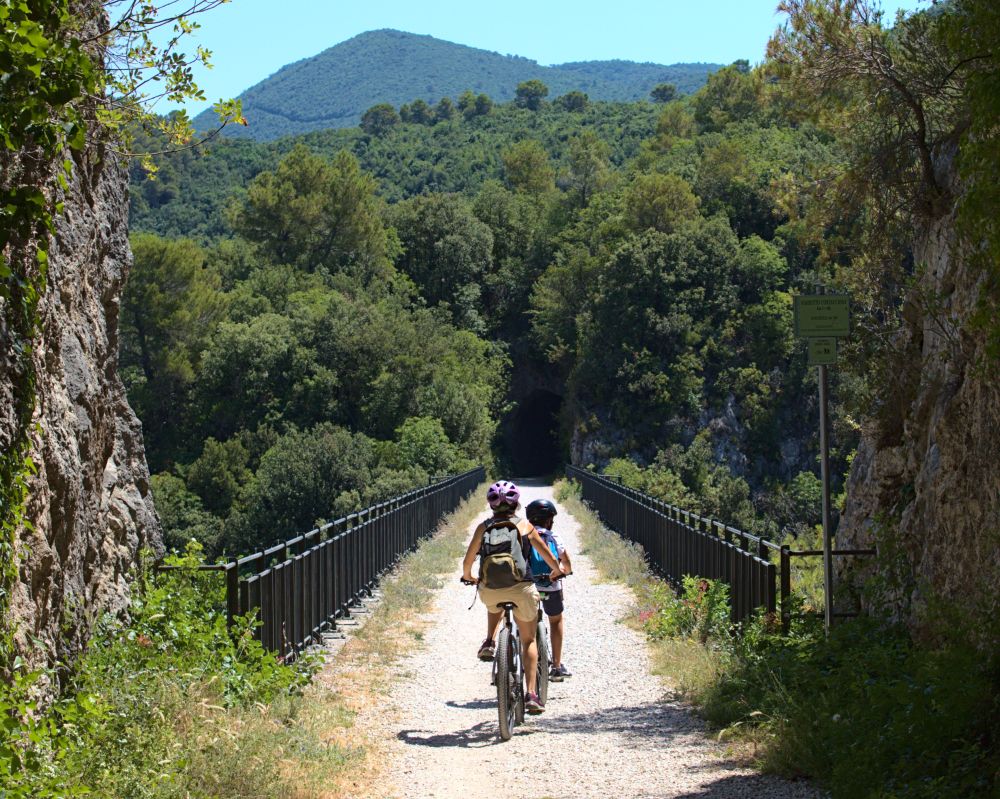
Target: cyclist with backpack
column 541, row 513
column 500, row 543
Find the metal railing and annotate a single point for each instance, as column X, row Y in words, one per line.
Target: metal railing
column 679, row 543
column 299, row 588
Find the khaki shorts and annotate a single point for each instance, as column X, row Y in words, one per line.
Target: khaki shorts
column 523, row 595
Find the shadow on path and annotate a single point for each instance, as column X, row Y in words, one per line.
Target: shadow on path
column 740, row 786
column 652, row 724
column 482, row 734
column 475, row 704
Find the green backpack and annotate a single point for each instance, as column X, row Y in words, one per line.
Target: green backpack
column 501, row 561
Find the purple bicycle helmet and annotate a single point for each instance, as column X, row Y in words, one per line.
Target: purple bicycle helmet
column 503, row 493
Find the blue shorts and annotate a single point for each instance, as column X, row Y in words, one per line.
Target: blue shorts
column 552, row 602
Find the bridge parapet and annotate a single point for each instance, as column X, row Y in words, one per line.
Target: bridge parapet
column 299, row 588
column 679, row 543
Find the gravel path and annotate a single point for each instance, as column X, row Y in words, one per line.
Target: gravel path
column 609, row 731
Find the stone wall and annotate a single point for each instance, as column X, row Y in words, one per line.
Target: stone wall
column 925, row 484
column 89, row 505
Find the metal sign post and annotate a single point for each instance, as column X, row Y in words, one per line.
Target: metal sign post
column 824, row 450
column 822, row 319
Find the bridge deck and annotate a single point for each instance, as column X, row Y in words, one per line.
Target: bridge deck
column 610, row 730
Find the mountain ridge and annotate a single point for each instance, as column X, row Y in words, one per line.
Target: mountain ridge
column 332, row 89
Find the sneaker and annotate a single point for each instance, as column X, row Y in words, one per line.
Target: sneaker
column 533, row 704
column 559, row 673
column 487, row 650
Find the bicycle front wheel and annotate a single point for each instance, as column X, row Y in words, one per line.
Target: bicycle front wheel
column 506, row 693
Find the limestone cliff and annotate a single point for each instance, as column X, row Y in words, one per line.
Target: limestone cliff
column 89, row 507
column 925, row 484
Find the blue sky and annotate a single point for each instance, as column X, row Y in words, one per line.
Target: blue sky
column 251, row 39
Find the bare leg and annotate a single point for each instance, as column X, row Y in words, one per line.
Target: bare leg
column 529, row 652
column 492, row 623
column 556, row 628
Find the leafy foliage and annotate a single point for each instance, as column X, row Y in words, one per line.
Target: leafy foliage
column 457, row 155
column 701, row 611
column 171, row 704
column 864, row 710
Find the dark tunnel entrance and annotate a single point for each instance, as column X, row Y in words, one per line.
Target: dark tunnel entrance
column 532, row 435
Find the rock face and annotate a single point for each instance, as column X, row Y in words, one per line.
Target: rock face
column 89, row 504
column 925, row 484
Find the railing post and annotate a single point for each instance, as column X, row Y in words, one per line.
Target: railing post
column 786, row 589
column 232, row 593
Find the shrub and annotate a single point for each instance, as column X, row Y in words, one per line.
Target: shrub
column 702, row 611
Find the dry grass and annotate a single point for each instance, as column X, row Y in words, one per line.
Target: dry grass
column 686, row 665
column 616, row 559
column 357, row 678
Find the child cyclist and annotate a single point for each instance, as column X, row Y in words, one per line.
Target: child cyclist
column 541, row 513
column 504, row 577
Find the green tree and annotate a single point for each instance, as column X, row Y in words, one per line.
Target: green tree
column 421, row 113
column 589, row 169
column 250, row 372
column 307, row 477
column 474, row 105
column 527, row 168
column 422, row 443
column 219, row 473
column 446, row 250
column 521, row 249
column 379, row 119
column 444, row 110
column 530, row 94
column 559, row 298
column 311, row 213
column 171, row 307
column 675, row 122
column 732, row 94
column 574, row 101
column 660, row 202
column 467, row 103
column 182, row 515
column 971, row 34
column 483, row 105
column 663, row 93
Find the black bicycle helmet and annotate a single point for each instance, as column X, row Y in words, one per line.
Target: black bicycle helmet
column 539, row 510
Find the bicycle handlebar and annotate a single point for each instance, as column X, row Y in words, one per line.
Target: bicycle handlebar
column 463, row 581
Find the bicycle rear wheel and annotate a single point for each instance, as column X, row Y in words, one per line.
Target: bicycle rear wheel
column 518, row 672
column 542, row 643
column 506, row 693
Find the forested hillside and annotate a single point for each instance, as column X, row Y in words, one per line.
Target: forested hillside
column 457, row 152
column 335, row 87
column 641, row 257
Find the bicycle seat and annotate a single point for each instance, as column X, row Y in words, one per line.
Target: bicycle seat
column 508, row 605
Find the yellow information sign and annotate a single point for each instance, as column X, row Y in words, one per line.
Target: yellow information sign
column 822, row 316
column 822, row 351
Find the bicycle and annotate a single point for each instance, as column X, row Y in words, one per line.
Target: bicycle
column 508, row 670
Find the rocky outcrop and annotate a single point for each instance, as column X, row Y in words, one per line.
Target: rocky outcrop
column 89, row 507
column 925, row 484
